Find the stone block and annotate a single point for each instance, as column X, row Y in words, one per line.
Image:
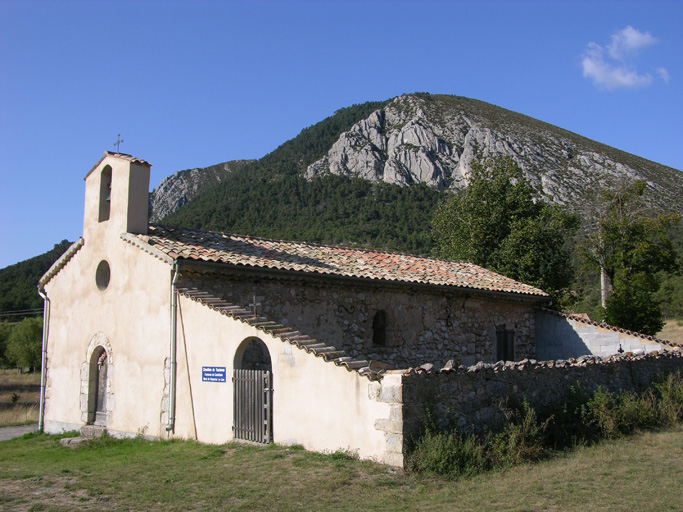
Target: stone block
column 393, row 459
column 390, row 426
column 391, row 394
column 374, row 389
column 394, row 443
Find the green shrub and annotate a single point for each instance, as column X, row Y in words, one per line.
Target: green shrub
column 451, row 454
column 525, row 436
column 522, row 439
column 669, row 397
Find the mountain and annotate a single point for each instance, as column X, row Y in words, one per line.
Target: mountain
column 422, row 138
column 372, row 174
column 176, row 190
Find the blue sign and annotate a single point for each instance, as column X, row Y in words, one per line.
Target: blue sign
column 213, row 373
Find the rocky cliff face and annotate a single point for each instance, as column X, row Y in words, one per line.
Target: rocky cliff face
column 178, row 189
column 433, row 139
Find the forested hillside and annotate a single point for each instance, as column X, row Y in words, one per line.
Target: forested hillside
column 270, row 198
column 18, row 282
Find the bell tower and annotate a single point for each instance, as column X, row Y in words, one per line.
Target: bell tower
column 116, row 196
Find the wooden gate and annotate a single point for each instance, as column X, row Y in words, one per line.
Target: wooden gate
column 253, row 405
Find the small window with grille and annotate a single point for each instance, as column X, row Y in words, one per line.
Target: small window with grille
column 505, row 343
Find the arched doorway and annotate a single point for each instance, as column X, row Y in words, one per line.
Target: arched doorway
column 97, row 387
column 253, row 392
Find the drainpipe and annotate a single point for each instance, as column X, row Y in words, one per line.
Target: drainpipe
column 174, row 314
column 43, row 358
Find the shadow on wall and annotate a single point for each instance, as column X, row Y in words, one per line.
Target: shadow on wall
column 556, row 338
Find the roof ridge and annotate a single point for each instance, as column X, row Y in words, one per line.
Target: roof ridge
column 603, row 325
column 329, row 353
column 315, row 244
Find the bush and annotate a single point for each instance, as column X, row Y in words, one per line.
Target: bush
column 452, row 454
column 669, row 397
column 527, row 437
column 522, row 439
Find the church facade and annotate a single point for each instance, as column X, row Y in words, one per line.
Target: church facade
column 170, row 332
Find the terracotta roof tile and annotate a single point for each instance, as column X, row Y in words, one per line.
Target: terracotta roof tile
column 188, row 244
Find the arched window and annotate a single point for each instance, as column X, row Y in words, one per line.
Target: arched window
column 254, row 357
column 379, row 329
column 105, row 194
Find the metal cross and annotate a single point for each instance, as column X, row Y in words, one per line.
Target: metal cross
column 118, row 142
column 254, row 304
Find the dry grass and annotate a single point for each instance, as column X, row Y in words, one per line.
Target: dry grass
column 672, row 331
column 19, row 396
column 641, row 473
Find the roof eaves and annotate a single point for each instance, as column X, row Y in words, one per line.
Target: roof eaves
column 139, row 242
column 329, row 353
column 61, row 262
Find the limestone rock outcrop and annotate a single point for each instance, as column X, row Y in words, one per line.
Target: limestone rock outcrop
column 178, row 189
column 433, row 140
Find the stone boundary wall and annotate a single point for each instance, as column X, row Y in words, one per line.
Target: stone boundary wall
column 471, row 396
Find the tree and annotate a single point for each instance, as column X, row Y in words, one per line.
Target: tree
column 497, row 223
column 25, row 343
column 629, row 247
column 5, row 331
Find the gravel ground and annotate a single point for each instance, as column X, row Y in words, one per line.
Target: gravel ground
column 7, row 433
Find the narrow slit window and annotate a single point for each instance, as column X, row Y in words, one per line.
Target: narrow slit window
column 105, row 194
column 379, row 329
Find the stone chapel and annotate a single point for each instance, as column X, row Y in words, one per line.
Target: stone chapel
column 172, row 332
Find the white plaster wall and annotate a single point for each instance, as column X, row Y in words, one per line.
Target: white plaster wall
column 315, row 403
column 132, row 313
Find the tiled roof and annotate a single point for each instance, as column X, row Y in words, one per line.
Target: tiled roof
column 187, row 244
column 584, row 319
column 286, row 334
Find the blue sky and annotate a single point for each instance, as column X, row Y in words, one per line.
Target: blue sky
column 194, row 83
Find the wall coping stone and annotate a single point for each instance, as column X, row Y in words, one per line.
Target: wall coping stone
column 531, row 364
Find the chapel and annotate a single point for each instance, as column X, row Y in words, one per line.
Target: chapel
column 172, row 332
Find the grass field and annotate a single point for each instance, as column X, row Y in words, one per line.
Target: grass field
column 19, row 396
column 641, row 473
column 673, row 331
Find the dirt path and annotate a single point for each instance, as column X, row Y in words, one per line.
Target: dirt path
column 7, row 433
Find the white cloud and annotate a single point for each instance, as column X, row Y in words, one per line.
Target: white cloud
column 613, row 67
column 664, row 74
column 629, row 41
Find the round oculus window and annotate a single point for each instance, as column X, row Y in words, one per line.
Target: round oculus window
column 102, row 275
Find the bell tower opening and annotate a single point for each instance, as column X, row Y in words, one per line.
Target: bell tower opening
column 105, row 194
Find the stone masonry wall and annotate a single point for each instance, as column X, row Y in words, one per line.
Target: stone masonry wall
column 471, row 396
column 422, row 327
